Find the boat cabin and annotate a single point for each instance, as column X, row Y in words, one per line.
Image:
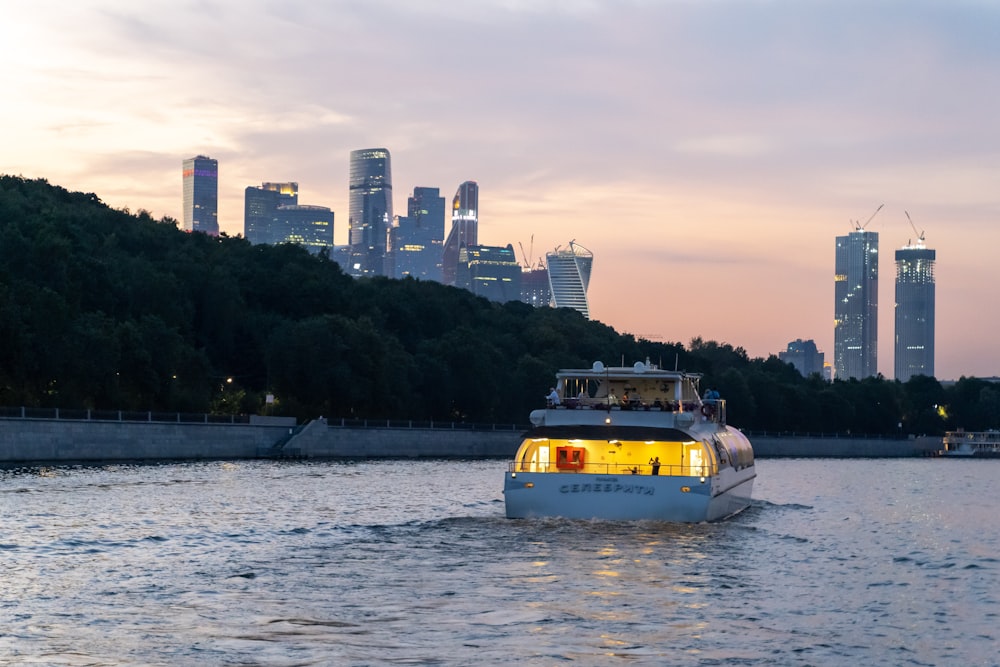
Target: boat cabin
column 638, row 420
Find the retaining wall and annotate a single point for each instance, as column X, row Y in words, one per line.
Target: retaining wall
column 321, row 441
column 67, row 440
column 25, row 441
column 791, row 446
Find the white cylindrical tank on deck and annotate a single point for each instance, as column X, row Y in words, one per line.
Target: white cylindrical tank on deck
column 736, row 447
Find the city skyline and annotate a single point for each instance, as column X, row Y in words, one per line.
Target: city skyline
column 713, row 147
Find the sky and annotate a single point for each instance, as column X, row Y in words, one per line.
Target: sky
column 707, row 152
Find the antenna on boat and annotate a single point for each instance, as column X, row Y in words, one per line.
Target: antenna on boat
column 676, row 359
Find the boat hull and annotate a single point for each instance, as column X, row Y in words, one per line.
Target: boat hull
column 627, row 497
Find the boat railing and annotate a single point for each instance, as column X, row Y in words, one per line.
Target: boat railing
column 665, row 470
column 713, row 410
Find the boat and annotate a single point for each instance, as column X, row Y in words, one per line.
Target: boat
column 978, row 444
column 630, row 443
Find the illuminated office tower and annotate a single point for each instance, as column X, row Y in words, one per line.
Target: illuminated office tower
column 535, row 288
column 855, row 314
column 914, row 311
column 201, row 195
column 308, row 226
column 260, row 205
column 415, row 242
column 370, row 211
column 464, row 229
column 490, row 271
column 569, row 277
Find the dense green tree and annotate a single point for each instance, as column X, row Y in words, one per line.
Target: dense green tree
column 103, row 309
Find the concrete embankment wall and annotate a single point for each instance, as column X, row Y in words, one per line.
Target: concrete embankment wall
column 83, row 441
column 25, row 441
column 791, row 446
column 321, row 441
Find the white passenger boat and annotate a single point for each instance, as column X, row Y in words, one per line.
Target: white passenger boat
column 630, row 443
column 980, row 444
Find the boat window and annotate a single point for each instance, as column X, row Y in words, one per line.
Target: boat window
column 570, row 458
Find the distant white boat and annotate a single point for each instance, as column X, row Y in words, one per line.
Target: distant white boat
column 980, row 444
column 630, row 443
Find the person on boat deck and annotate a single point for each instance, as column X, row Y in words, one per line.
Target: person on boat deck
column 612, row 399
column 553, row 397
column 625, row 400
column 655, row 462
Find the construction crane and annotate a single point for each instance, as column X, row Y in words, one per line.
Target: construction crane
column 859, row 227
column 920, row 234
column 526, row 255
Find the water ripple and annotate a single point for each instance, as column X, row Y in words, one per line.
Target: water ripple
column 413, row 563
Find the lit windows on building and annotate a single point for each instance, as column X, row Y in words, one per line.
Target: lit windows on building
column 855, row 333
column 200, row 180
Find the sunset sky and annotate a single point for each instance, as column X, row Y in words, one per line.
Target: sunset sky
column 707, row 152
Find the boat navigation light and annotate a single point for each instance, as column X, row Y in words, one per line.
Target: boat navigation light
column 607, row 420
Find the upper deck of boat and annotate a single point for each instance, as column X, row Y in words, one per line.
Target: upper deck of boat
column 985, row 442
column 642, row 394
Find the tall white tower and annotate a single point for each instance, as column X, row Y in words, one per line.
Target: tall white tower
column 569, row 277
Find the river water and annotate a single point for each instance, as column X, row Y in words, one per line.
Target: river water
column 838, row 562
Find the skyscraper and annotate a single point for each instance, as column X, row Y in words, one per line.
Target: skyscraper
column 535, row 288
column 260, row 205
column 804, row 356
column 464, row 229
column 914, row 311
column 855, row 313
column 201, row 195
column 569, row 277
column 309, row 226
column 370, row 215
column 415, row 243
column 490, row 271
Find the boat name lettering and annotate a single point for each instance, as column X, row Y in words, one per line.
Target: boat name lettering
column 608, row 487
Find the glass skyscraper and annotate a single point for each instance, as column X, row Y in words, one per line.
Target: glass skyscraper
column 855, row 314
column 370, row 211
column 535, row 288
column 309, row 226
column 490, row 271
column 260, row 205
column 464, row 229
column 914, row 352
column 201, row 195
column 804, row 356
column 569, row 277
column 416, row 241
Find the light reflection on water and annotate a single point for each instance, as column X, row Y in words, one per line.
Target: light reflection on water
column 836, row 562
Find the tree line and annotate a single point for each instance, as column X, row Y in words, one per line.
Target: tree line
column 104, row 309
